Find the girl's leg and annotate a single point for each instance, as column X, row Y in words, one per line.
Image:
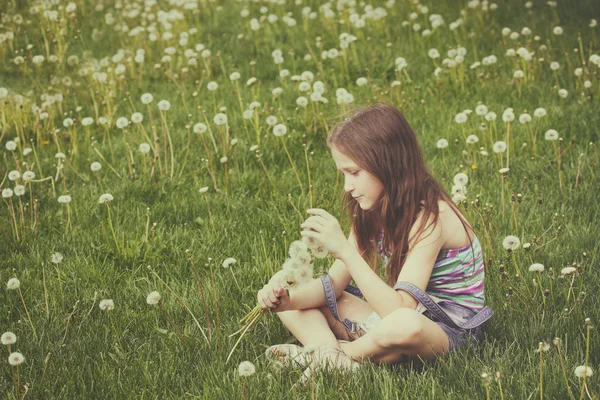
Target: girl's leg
column 317, row 326
column 403, row 334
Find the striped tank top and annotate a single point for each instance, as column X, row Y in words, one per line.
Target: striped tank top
column 457, row 275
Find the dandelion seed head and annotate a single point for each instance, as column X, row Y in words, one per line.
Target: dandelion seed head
column 164, row 105
column 500, row 147
column 64, row 199
column 279, row 130
column 536, row 267
column 87, row 121
column 8, row 338
column 460, row 118
column 105, row 198
column 511, row 243
column 16, row 359
column 144, row 148
column 106, row 304
column 220, row 119
column 583, row 370
column 461, row 179
column 442, row 143
column 228, row 262
column 297, row 246
column 568, row 271
column 563, row 93
column 551, row 135
column 13, row 284
column 539, row 112
column 11, row 145
column 524, row 118
column 56, row 258
column 14, row 175
column 153, row 298
column 7, row 193
column 246, row 368
column 203, row 189
column 481, row 110
column 472, row 139
column 147, row 98
column 95, row 166
column 557, row 30
column 137, row 117
column 200, row 128
column 19, row 190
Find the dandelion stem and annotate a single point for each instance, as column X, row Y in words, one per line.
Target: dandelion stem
column 248, row 326
column 293, row 166
column 27, row 312
column 45, row 291
column 541, row 371
column 182, row 303
column 202, row 295
column 172, row 324
column 587, row 357
column 562, row 366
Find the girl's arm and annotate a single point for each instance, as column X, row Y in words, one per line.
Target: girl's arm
column 311, row 294
column 416, row 270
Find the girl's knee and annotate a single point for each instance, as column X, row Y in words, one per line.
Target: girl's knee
column 400, row 328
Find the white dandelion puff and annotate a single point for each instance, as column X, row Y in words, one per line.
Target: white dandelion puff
column 279, row 130
column 220, row 119
column 57, row 258
column 8, row 338
column 106, row 304
column 297, row 246
column 551, row 135
column 147, row 98
column 153, row 298
column 95, row 166
column 64, row 199
column 246, row 368
column 144, row 148
column 13, row 284
column 442, row 143
column 582, row 370
column 461, row 179
column 511, row 243
column 164, row 105
column 228, row 262
column 536, row 267
column 105, row 198
column 15, row 359
column 499, row 147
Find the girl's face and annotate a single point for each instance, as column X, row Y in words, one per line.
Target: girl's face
column 364, row 187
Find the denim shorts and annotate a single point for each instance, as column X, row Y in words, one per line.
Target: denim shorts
column 457, row 337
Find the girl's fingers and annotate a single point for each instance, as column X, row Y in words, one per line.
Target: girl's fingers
column 316, row 219
column 273, row 297
column 311, row 234
column 312, row 225
column 321, row 213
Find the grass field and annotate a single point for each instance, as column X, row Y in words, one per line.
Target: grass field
column 202, row 177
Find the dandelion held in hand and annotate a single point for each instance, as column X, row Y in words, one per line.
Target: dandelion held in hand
column 296, row 271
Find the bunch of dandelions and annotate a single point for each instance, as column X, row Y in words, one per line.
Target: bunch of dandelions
column 296, row 271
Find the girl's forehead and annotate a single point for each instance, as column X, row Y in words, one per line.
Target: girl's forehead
column 342, row 160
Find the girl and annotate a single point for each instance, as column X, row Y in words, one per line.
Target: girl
column 432, row 300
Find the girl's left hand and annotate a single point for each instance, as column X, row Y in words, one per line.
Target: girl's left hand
column 327, row 230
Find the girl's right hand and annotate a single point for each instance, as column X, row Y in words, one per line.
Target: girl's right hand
column 273, row 297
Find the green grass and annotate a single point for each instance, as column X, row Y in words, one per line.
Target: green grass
column 133, row 351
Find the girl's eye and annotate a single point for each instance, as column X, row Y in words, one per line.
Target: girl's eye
column 354, row 173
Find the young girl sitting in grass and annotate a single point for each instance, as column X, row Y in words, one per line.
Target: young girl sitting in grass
column 432, row 299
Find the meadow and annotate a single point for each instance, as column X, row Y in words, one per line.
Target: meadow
column 174, row 146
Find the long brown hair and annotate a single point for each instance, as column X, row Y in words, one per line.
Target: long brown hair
column 379, row 140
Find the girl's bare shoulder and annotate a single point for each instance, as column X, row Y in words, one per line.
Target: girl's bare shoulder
column 453, row 232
